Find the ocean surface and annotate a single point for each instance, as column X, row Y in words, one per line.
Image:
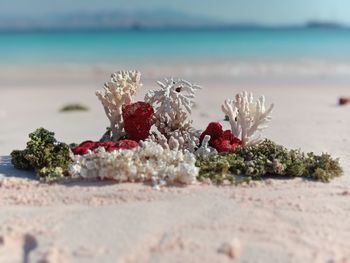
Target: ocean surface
column 176, row 46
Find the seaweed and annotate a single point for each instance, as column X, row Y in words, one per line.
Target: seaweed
column 74, row 107
column 265, row 160
column 49, row 158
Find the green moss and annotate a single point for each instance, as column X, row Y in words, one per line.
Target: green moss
column 19, row 161
column 267, row 159
column 74, row 107
column 44, row 154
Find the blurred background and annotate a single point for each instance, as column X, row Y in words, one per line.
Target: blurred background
column 256, row 36
column 53, row 53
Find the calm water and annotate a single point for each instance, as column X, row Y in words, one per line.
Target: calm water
column 174, row 46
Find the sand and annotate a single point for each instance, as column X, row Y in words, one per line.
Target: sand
column 269, row 221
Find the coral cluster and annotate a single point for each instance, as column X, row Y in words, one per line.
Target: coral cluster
column 148, row 163
column 169, row 108
column 154, row 141
column 118, row 92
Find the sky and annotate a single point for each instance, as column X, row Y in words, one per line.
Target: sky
column 275, row 12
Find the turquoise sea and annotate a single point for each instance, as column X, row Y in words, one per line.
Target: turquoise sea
column 166, row 46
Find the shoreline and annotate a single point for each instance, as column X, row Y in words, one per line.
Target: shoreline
column 297, row 73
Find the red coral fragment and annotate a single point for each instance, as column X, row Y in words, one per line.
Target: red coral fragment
column 344, row 100
column 109, row 146
column 126, row 144
column 214, row 129
column 137, row 120
column 84, row 147
column 222, row 141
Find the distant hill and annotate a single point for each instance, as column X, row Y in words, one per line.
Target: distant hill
column 157, row 19
column 108, row 20
column 322, row 24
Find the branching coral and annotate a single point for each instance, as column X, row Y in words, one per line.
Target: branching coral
column 149, row 162
column 158, row 138
column 173, row 105
column 205, row 150
column 247, row 117
column 118, row 92
column 187, row 139
column 165, row 143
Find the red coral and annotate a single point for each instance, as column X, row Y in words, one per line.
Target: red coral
column 227, row 142
column 137, row 120
column 222, row 141
column 84, row 147
column 126, row 144
column 214, row 129
column 109, row 146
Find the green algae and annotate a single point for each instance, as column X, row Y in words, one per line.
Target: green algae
column 49, row 158
column 73, row 107
column 267, row 160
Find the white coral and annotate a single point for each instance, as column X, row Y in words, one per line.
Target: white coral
column 187, row 139
column 247, row 117
column 173, row 104
column 180, row 140
column 149, row 162
column 168, row 144
column 205, row 150
column 117, row 92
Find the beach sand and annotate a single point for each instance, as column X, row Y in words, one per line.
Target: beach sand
column 269, row 221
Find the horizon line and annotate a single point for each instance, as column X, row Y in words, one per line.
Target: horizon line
column 136, row 27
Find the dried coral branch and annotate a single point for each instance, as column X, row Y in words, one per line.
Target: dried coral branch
column 116, row 93
column 160, row 139
column 164, row 142
column 149, row 162
column 205, row 150
column 173, row 105
column 186, row 139
column 247, row 117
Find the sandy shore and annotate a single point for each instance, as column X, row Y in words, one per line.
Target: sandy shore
column 270, row 221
